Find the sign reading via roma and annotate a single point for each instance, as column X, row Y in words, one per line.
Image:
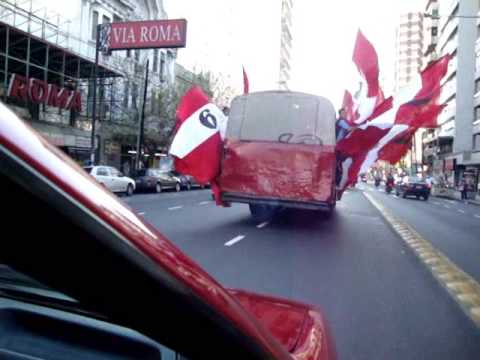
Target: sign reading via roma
column 143, row 34
column 41, row 92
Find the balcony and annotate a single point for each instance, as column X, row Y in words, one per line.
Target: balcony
column 447, row 113
column 447, row 8
column 448, row 32
column 448, row 90
column 450, row 47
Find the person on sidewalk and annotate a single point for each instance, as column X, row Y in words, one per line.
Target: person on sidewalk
column 463, row 190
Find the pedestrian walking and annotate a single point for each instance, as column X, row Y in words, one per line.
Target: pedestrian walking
column 463, row 190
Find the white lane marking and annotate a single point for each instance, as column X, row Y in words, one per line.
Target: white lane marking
column 436, row 203
column 395, row 196
column 175, row 207
column 446, row 206
column 204, row 203
column 235, row 240
column 477, row 216
column 265, row 223
column 141, row 213
column 451, row 201
column 461, row 211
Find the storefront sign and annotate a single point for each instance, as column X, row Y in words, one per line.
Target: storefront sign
column 143, row 35
column 41, row 92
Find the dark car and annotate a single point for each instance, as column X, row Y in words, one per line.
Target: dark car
column 156, row 180
column 84, row 277
column 413, row 186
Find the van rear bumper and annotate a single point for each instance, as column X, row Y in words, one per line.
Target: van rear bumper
column 229, row 197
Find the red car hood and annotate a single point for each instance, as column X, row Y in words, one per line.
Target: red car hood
column 298, row 327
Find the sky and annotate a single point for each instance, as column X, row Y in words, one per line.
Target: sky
column 223, row 35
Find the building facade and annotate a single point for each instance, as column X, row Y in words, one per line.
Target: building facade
column 57, row 48
column 408, row 47
column 285, row 44
column 452, row 151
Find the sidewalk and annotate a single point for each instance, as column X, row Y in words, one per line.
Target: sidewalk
column 456, row 196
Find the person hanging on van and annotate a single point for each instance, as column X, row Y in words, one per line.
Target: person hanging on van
column 342, row 126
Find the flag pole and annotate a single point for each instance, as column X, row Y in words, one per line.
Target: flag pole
column 142, row 119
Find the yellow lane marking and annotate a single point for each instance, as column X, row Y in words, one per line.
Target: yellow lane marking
column 461, row 286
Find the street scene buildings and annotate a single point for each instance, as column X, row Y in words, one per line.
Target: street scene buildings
column 57, row 46
column 451, row 152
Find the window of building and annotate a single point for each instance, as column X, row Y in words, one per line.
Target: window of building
column 476, row 142
column 162, row 67
column 155, row 60
column 116, row 18
column 435, row 12
column 434, row 31
column 477, row 113
column 137, row 55
column 94, row 24
column 126, row 94
column 129, row 53
column 105, row 19
column 134, row 96
column 477, row 85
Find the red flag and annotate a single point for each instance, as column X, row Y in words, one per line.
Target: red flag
column 365, row 57
column 348, row 107
column 197, row 145
column 245, row 82
column 390, row 141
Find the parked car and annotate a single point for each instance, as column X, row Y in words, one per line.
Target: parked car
column 156, row 180
column 94, row 280
column 412, row 186
column 183, row 179
column 112, row 179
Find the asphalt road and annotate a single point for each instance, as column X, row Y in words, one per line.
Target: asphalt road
column 381, row 302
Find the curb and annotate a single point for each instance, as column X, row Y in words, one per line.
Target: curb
column 462, row 287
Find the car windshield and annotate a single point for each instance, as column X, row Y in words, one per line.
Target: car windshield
column 326, row 152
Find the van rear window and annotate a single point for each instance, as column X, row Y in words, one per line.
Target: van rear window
column 289, row 120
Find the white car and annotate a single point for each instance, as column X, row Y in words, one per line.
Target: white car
column 112, row 179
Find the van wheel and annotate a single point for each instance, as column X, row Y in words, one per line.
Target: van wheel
column 178, row 187
column 129, row 191
column 158, row 188
column 262, row 212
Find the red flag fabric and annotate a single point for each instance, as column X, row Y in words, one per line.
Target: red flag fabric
column 389, row 137
column 348, row 106
column 371, row 102
column 197, row 145
column 246, row 84
column 366, row 60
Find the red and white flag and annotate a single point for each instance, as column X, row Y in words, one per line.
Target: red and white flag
column 415, row 107
column 198, row 142
column 388, row 136
column 370, row 99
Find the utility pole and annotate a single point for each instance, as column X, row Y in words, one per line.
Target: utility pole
column 94, row 99
column 142, row 120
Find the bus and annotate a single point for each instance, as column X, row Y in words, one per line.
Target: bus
column 279, row 152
